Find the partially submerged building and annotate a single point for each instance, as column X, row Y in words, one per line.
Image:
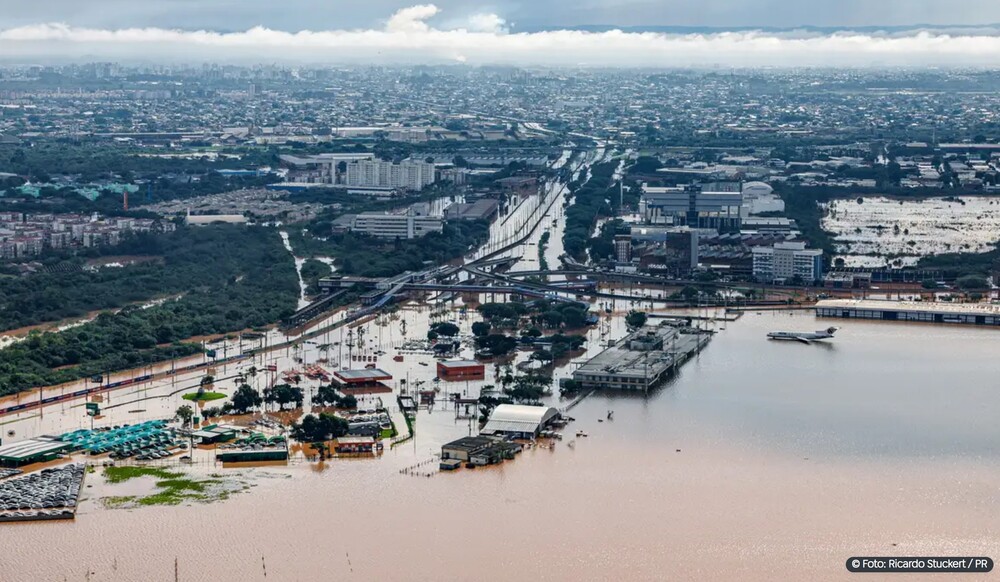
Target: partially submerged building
column 519, row 421
column 642, row 359
column 357, row 445
column 215, row 433
column 366, row 381
column 458, row 370
column 252, row 455
column 463, row 448
column 478, row 451
column 918, row 311
column 36, row 450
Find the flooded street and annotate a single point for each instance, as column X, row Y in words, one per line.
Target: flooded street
column 760, row 460
column 303, row 300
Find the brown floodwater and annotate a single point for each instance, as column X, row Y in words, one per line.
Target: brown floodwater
column 759, row 461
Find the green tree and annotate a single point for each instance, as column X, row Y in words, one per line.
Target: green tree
column 552, row 318
column 972, row 282
column 246, row 399
column 318, row 428
column 574, row 317
column 529, row 387
column 496, row 344
column 445, row 328
column 185, row 413
column 636, row 319
column 284, row 394
column 689, row 293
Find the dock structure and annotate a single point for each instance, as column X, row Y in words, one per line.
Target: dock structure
column 918, row 311
column 642, row 359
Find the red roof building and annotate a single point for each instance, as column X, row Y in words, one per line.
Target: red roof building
column 461, row 370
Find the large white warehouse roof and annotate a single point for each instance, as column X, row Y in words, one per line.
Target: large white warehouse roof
column 518, row 418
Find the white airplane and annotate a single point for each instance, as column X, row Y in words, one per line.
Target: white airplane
column 805, row 337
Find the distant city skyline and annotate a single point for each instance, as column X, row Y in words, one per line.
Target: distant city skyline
column 547, row 32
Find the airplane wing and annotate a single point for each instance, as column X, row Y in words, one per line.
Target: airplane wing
column 803, row 340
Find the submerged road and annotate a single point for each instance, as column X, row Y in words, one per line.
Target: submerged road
column 509, row 237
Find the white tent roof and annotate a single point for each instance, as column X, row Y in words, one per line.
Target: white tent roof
column 518, row 418
column 757, row 188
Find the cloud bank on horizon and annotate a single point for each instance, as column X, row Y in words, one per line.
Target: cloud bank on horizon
column 408, row 36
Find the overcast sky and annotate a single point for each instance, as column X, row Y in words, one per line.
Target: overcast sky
column 332, row 14
column 333, row 31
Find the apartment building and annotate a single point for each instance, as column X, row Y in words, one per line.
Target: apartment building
column 787, row 260
column 406, row 175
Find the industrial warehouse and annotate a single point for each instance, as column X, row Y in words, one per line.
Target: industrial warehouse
column 477, row 451
column 36, row 450
column 517, row 421
column 496, row 440
column 642, row 359
column 929, row 312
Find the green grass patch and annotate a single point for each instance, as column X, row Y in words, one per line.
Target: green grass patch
column 175, row 491
column 172, row 488
column 122, row 474
column 206, row 397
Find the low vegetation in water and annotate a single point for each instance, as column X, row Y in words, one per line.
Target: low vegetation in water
column 172, row 488
column 368, row 256
column 204, row 396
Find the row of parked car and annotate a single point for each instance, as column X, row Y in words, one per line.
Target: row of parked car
column 50, row 488
column 5, row 472
column 267, row 423
column 37, row 514
column 159, row 450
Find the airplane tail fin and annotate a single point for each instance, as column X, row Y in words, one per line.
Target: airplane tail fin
column 832, row 330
